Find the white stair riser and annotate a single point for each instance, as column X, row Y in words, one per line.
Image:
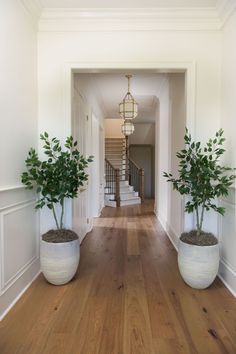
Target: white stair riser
column 124, row 189
column 123, row 196
column 122, row 184
column 112, row 203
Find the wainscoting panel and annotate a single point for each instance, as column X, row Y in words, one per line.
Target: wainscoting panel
column 227, row 233
column 14, row 196
column 19, row 244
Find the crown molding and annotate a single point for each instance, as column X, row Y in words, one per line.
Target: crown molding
column 225, row 8
column 172, row 12
column 173, row 19
column 34, row 8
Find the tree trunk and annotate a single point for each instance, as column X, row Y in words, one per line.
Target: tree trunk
column 198, row 222
column 55, row 217
column 62, row 213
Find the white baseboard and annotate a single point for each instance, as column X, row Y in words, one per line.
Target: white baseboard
column 169, row 231
column 13, row 294
column 226, row 274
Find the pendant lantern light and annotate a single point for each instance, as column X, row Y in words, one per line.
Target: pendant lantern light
column 127, row 128
column 128, row 108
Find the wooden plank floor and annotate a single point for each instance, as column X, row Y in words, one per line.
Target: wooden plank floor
column 127, row 298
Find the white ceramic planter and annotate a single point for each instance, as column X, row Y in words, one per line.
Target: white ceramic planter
column 59, row 261
column 198, row 265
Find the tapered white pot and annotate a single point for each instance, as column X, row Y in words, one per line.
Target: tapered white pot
column 59, row 261
column 198, row 265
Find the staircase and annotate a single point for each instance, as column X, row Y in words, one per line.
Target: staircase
column 117, row 175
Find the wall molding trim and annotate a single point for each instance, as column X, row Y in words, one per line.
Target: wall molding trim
column 118, row 19
column 168, row 230
column 11, row 188
column 5, row 312
column 17, row 206
column 225, row 9
column 34, row 8
column 16, row 275
column 227, row 276
column 142, row 19
column 3, row 212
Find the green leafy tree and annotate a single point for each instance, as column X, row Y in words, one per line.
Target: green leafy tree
column 58, row 177
column 201, row 176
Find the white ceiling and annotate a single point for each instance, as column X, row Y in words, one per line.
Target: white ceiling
column 129, row 4
column 111, row 88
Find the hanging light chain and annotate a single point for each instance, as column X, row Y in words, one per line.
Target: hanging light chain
column 128, row 77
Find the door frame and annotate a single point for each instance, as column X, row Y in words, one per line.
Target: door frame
column 188, row 68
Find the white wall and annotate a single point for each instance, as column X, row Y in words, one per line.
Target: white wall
column 18, row 89
column 162, row 155
column 177, row 131
column 227, row 224
column 144, row 133
column 88, row 121
column 86, row 87
column 113, row 128
column 18, row 132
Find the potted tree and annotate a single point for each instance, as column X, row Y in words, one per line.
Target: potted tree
column 62, row 175
column 203, row 180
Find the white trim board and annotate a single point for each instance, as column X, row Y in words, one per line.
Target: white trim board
column 33, row 8
column 23, row 271
column 19, row 296
column 136, row 19
column 10, row 188
column 73, row 20
column 6, row 284
column 99, row 19
column 228, row 277
column 170, row 233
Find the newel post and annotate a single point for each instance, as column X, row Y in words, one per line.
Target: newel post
column 141, row 184
column 117, row 178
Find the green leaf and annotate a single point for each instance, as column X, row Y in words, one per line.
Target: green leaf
column 59, row 176
column 200, row 175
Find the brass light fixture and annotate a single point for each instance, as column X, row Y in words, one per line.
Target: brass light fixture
column 128, row 108
column 127, row 128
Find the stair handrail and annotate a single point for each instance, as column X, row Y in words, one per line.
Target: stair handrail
column 135, row 176
column 132, row 161
column 113, row 180
column 109, row 163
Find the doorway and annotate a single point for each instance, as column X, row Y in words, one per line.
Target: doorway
column 160, row 158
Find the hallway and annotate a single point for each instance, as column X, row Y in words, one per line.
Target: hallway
column 128, row 298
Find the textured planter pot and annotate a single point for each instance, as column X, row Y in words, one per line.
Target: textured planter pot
column 59, row 261
column 198, row 265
